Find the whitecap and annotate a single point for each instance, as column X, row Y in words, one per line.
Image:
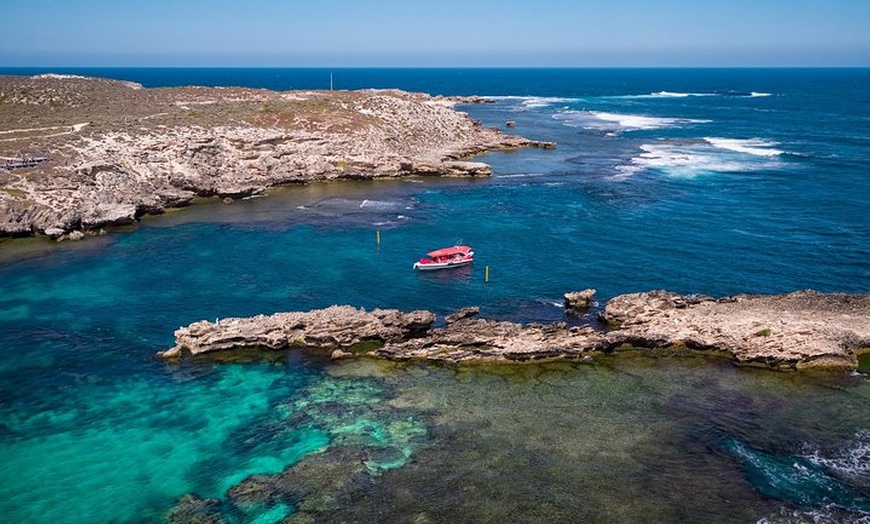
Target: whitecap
column 687, row 159
column 750, row 146
column 660, row 94
column 850, row 461
column 671, row 94
column 379, row 204
column 535, row 102
column 683, row 161
column 756, row 94
column 635, row 121
column 520, row 175
column 603, row 121
column 627, row 170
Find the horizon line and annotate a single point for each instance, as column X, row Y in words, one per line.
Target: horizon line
column 337, row 67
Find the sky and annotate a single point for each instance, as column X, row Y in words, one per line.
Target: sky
column 447, row 33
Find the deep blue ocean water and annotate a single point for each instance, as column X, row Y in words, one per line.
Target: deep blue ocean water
column 697, row 181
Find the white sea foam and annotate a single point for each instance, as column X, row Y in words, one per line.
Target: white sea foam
column 750, row 146
column 615, row 122
column 687, row 159
column 661, row 94
column 533, row 102
column 634, row 121
column 677, row 94
column 851, row 461
column 671, row 94
column 521, row 175
column 379, row 204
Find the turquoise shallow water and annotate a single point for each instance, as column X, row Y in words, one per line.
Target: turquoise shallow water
column 715, row 182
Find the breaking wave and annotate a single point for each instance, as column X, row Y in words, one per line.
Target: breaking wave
column 827, row 485
column 670, row 94
column 679, row 94
column 616, row 122
column 380, row 204
column 534, row 102
column 689, row 158
column 849, row 461
column 750, row 146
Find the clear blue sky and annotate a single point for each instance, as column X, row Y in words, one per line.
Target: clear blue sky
column 335, row 33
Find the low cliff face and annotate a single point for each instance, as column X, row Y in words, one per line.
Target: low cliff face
column 116, row 151
column 794, row 331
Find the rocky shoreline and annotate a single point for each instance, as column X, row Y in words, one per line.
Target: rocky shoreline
column 799, row 330
column 110, row 151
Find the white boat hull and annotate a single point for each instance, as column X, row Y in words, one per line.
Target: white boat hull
column 441, row 265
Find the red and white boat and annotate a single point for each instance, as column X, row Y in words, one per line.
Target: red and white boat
column 454, row 256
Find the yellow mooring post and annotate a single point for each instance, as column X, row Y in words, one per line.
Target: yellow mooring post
column 486, row 274
column 378, row 237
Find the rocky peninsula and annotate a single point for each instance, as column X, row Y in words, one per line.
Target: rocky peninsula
column 77, row 153
column 794, row 331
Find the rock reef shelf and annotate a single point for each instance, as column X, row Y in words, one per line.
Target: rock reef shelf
column 799, row 330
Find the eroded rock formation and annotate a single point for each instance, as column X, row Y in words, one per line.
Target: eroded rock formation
column 793, row 331
column 796, row 330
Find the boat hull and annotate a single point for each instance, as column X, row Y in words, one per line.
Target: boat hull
column 444, row 258
column 432, row 266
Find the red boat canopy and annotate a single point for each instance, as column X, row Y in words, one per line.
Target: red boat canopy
column 449, row 251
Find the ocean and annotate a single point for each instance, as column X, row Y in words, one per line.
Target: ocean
column 708, row 181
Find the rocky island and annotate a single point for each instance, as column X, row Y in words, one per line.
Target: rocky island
column 795, row 331
column 77, row 153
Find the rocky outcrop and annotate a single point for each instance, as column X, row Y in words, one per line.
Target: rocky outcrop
column 137, row 151
column 578, row 300
column 334, row 327
column 792, row 331
column 796, row 330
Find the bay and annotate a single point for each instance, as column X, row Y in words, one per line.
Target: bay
column 697, row 181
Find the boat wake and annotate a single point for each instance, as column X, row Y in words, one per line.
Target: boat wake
column 352, row 211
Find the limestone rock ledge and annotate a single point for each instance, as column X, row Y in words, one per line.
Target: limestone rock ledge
column 116, row 151
column 794, row 331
